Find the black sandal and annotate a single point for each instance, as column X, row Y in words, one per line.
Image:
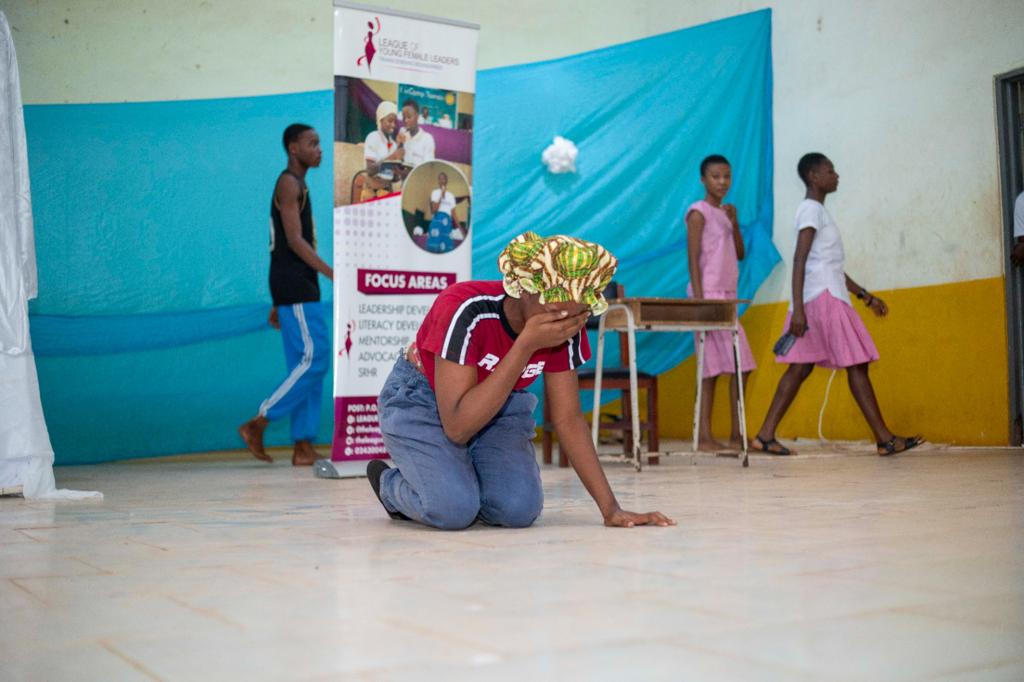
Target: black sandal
column 898, row 444
column 765, row 446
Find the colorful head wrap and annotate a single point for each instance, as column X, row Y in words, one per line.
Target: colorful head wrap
column 559, row 268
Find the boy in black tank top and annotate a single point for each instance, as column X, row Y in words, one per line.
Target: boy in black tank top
column 297, row 312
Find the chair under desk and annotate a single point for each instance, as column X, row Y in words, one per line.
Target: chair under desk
column 633, row 314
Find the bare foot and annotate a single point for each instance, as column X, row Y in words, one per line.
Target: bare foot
column 304, row 455
column 736, row 444
column 252, row 433
column 709, row 445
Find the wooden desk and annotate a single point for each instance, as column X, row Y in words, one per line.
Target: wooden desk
column 633, row 314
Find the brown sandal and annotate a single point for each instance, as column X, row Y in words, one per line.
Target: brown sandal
column 898, row 444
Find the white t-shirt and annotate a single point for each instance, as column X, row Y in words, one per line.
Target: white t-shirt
column 445, row 205
column 1018, row 216
column 376, row 147
column 444, row 122
column 419, row 148
column 824, row 271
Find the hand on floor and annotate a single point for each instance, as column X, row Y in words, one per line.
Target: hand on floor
column 625, row 519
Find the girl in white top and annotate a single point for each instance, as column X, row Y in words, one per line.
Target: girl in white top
column 417, row 143
column 440, row 237
column 441, row 200
column 828, row 331
column 381, row 145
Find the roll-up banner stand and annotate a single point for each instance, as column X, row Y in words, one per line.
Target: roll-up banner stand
column 403, row 137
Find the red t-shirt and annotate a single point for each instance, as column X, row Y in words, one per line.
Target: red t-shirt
column 467, row 325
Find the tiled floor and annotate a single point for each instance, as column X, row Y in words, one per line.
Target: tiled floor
column 832, row 568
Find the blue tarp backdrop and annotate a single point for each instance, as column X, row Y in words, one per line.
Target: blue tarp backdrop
column 152, row 236
column 152, row 221
column 643, row 115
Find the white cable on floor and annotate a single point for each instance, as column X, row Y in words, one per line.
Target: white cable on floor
column 824, row 404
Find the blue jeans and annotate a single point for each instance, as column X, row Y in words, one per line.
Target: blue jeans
column 307, row 353
column 439, row 483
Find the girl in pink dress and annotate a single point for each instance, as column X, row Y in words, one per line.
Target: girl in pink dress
column 827, row 330
column 715, row 245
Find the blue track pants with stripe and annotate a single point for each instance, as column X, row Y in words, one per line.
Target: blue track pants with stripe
column 307, row 355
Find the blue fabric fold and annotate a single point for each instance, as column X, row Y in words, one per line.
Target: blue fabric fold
column 61, row 335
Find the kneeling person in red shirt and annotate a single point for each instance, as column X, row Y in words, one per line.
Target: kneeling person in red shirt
column 454, row 414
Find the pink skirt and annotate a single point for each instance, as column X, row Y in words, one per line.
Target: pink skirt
column 836, row 337
column 718, row 349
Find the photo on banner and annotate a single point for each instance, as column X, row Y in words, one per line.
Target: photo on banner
column 366, row 160
column 403, row 139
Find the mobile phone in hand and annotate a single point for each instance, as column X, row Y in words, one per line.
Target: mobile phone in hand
column 784, row 343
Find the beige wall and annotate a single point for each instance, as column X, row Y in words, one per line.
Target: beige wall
column 142, row 50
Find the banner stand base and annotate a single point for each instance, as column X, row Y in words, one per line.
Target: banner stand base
column 325, row 468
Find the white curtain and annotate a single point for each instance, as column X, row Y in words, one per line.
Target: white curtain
column 26, row 456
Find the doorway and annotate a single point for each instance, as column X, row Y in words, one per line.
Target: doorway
column 1010, row 108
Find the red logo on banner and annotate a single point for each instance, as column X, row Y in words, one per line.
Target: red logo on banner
column 347, row 346
column 369, row 49
column 382, row 282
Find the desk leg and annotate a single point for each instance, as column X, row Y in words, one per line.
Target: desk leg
column 741, row 410
column 595, row 422
column 700, row 376
column 634, row 395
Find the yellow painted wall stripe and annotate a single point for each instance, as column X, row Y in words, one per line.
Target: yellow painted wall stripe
column 943, row 372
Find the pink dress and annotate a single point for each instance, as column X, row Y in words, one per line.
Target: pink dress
column 836, row 337
column 719, row 269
